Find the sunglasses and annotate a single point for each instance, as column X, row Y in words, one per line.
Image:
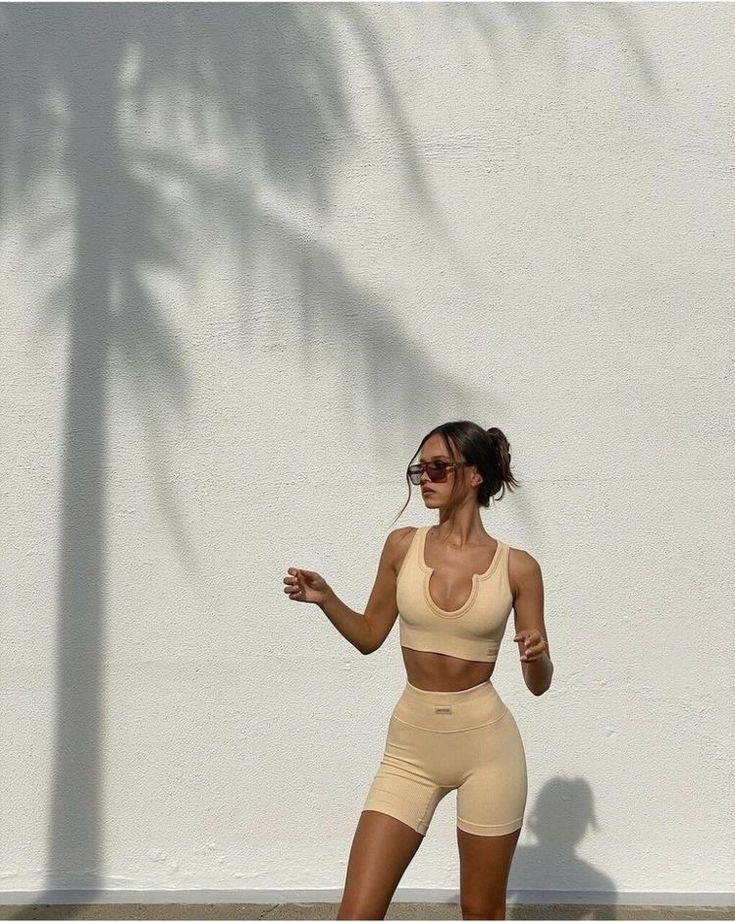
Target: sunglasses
column 437, row 471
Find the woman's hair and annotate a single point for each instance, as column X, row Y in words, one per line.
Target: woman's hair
column 487, row 449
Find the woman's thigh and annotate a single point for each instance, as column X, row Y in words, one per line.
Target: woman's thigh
column 491, row 800
column 410, row 782
column 382, row 849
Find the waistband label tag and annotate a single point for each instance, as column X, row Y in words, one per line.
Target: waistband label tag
column 442, row 708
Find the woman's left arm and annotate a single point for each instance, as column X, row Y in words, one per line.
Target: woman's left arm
column 528, row 605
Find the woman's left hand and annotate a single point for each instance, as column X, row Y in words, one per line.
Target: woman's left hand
column 532, row 645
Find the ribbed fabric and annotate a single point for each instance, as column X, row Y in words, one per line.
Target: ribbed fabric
column 438, row 742
column 472, row 632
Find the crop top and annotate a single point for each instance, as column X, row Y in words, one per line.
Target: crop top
column 472, row 632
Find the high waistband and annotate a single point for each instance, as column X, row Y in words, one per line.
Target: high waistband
column 447, row 711
column 462, row 691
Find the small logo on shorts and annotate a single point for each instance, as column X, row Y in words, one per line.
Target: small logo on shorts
column 442, row 708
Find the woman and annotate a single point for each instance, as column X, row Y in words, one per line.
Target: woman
column 453, row 586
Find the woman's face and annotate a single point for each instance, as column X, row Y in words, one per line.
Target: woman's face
column 436, row 492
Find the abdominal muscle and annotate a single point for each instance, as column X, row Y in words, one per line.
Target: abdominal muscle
column 439, row 672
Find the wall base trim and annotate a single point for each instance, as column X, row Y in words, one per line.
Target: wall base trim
column 403, row 895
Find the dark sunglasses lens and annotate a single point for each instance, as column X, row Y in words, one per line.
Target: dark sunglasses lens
column 436, row 472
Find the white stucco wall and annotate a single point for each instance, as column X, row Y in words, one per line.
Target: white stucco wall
column 250, row 255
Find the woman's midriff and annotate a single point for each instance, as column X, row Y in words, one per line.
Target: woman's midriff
column 439, row 672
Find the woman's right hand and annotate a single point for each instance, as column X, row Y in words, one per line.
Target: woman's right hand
column 306, row 586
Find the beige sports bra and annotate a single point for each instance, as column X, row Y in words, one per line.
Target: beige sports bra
column 472, row 632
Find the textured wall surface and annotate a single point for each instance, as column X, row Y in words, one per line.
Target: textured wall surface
column 249, row 256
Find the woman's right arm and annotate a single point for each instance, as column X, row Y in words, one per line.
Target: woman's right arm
column 365, row 632
column 351, row 624
column 368, row 632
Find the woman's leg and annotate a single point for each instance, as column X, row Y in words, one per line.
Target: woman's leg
column 382, row 849
column 490, row 808
column 395, row 816
column 484, row 866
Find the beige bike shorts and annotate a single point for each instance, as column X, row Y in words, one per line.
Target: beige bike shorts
column 438, row 742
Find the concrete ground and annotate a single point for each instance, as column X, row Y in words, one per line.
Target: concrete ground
column 449, row 911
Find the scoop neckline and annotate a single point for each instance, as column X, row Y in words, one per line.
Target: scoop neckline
column 476, row 577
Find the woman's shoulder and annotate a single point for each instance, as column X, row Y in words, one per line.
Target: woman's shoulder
column 403, row 534
column 520, row 564
column 401, row 539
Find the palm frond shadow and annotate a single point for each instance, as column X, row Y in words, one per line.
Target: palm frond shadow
column 273, row 77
